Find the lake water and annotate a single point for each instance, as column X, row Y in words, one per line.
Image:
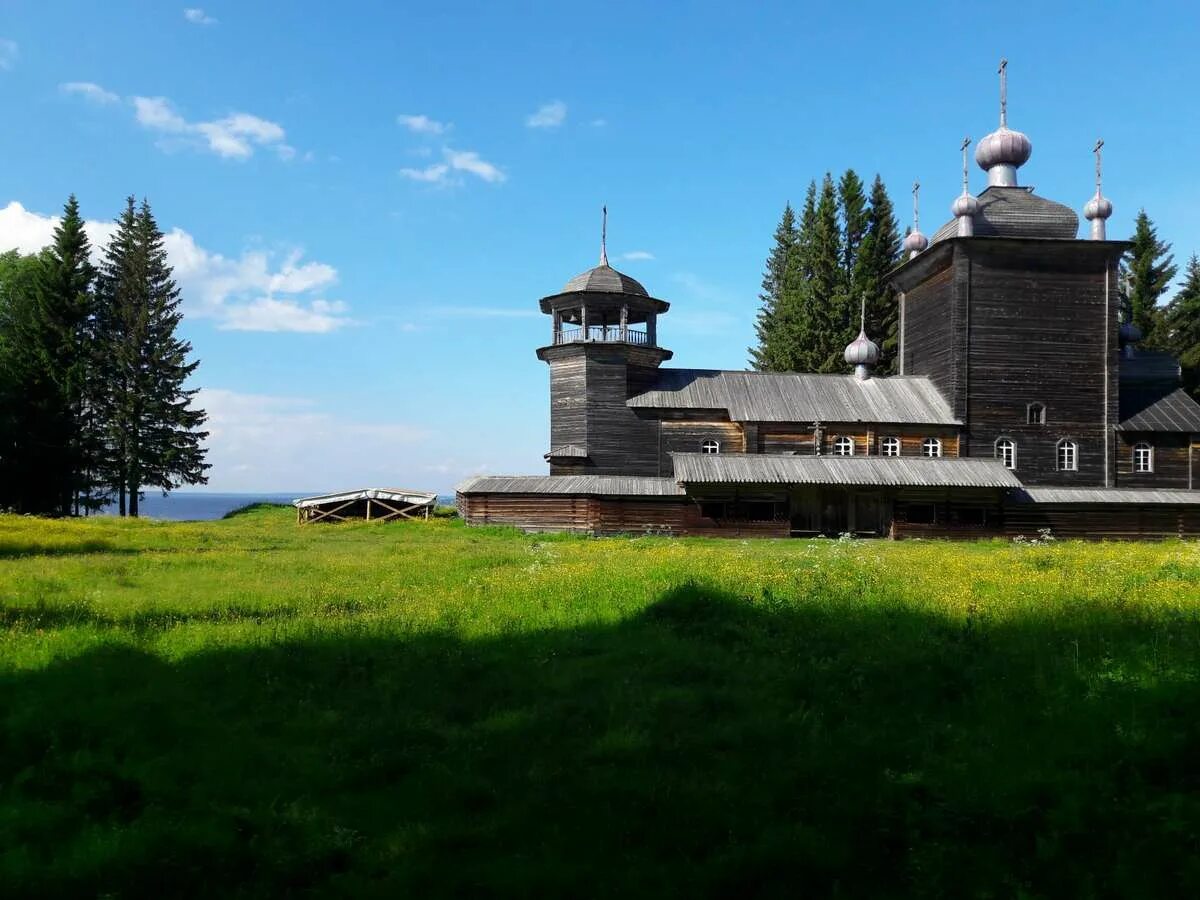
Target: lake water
column 203, row 504
column 211, row 505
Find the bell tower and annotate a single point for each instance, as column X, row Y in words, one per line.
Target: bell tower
column 603, row 349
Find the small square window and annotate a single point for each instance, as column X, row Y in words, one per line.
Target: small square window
column 890, row 446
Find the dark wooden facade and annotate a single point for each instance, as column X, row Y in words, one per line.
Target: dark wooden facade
column 1000, row 324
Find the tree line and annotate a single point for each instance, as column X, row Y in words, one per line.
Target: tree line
column 820, row 267
column 93, row 403
column 838, row 251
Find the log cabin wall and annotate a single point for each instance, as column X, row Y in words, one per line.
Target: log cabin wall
column 1173, row 461
column 1103, row 522
column 929, row 340
column 798, row 439
column 687, row 436
column 589, row 384
column 1039, row 328
column 961, row 513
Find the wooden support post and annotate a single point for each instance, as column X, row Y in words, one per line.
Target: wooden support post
column 368, row 509
column 652, row 329
column 624, row 321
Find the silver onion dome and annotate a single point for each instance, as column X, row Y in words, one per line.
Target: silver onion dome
column 916, row 242
column 1003, row 151
column 862, row 352
column 964, row 205
column 1099, row 207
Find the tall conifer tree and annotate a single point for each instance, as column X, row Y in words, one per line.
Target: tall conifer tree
column 877, row 255
column 65, row 318
column 778, row 289
column 154, row 435
column 1182, row 325
column 1148, row 268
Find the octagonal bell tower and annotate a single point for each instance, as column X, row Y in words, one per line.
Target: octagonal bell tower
column 603, row 350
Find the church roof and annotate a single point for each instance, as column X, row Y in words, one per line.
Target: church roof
column 1148, row 409
column 1017, row 212
column 587, row 485
column 756, row 468
column 605, row 279
column 799, row 397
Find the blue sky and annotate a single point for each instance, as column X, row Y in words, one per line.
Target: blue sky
column 366, row 200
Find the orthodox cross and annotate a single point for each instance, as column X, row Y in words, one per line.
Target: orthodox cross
column 1003, row 93
column 965, row 144
column 1096, row 150
column 916, row 206
column 862, row 317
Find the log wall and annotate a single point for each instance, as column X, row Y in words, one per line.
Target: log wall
column 1173, row 461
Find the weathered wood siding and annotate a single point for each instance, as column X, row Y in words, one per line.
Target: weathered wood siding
column 1173, row 461
column 1103, row 522
column 931, row 339
column 799, row 439
column 1039, row 329
column 686, row 436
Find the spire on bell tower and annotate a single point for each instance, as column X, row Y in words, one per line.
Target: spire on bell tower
column 604, row 235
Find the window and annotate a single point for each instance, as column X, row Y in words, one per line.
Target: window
column 890, row 446
column 1006, row 452
column 710, row 447
column 1035, row 414
column 1143, row 457
column 843, row 446
column 713, row 509
column 1068, row 456
column 975, row 516
column 931, row 447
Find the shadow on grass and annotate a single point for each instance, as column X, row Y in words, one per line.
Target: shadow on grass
column 52, row 616
column 707, row 747
column 10, row 549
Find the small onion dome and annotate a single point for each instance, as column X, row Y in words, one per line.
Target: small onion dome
column 862, row 351
column 964, row 205
column 915, row 242
column 1098, row 208
column 1129, row 333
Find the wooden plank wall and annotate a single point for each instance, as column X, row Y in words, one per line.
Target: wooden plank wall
column 1117, row 521
column 683, row 436
column 929, row 335
column 799, row 439
column 1171, row 461
column 1036, row 330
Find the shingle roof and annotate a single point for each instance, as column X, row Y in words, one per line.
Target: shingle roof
column 589, row 485
column 1017, row 212
column 752, row 468
column 1149, row 410
column 605, row 279
column 1102, row 495
column 799, row 397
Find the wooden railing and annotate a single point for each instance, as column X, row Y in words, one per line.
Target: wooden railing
column 602, row 334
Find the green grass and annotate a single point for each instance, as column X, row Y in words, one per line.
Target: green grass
column 251, row 708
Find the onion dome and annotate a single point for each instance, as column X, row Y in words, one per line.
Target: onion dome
column 1003, row 151
column 1099, row 208
column 862, row 352
column 965, row 207
column 1129, row 333
column 915, row 242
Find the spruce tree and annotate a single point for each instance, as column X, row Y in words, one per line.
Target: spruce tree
column 825, row 301
column 153, row 432
column 878, row 255
column 777, row 278
column 24, row 392
column 855, row 221
column 1182, row 325
column 65, row 313
column 1149, row 269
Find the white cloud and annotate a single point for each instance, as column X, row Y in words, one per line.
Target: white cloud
column 256, row 291
column 634, row 255
column 268, row 443
column 548, row 115
column 422, row 124
column 455, row 161
column 269, row 314
column 198, row 16
column 233, row 137
column 89, row 91
column 9, row 52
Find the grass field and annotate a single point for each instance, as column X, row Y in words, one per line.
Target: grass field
column 249, row 708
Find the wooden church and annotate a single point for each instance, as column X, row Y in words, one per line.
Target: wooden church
column 1021, row 403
